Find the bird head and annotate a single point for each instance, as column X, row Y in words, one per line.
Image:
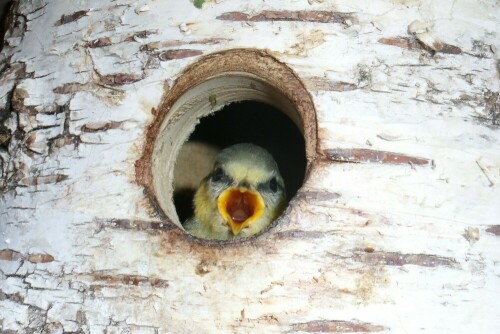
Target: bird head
column 244, row 191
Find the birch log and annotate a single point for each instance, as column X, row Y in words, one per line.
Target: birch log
column 396, row 229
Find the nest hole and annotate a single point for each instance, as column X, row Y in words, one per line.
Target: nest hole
column 230, row 97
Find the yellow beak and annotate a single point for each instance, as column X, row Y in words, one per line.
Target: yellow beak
column 240, row 207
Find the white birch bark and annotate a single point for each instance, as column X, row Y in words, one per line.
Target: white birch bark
column 364, row 247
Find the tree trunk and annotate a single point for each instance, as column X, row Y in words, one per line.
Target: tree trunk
column 396, row 228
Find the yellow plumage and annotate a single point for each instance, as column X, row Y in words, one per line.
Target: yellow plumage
column 243, row 195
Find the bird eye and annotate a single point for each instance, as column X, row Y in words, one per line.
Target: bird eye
column 273, row 185
column 218, row 174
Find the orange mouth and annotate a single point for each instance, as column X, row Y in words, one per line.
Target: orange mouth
column 240, row 207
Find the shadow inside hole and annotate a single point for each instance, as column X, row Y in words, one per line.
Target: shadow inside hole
column 242, row 122
column 5, row 6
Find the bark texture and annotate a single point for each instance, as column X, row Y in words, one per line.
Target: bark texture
column 395, row 230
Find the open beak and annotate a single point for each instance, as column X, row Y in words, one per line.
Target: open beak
column 240, row 207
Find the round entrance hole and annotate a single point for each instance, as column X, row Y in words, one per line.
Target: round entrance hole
column 235, row 96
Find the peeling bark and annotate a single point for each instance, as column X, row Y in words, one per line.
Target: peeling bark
column 9, row 255
column 299, row 16
column 34, row 181
column 119, row 79
column 100, row 126
column 327, row 85
column 492, row 106
column 107, row 280
column 100, row 42
column 179, row 54
column 495, row 230
column 413, row 44
column 373, row 156
column 141, row 225
column 337, row 326
column 68, row 18
column 40, row 258
column 171, row 43
column 397, row 259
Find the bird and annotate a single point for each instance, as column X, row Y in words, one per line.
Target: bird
column 240, row 197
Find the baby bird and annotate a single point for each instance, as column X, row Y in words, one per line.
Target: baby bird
column 244, row 193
